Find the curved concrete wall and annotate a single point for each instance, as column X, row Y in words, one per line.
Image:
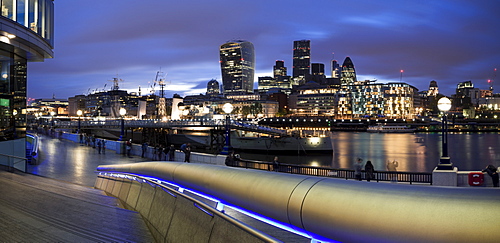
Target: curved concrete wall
column 174, row 217
column 340, row 209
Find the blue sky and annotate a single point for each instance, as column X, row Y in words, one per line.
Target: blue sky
column 95, row 41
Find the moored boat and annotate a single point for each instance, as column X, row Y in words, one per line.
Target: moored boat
column 381, row 128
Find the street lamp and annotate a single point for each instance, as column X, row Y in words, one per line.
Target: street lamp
column 122, row 131
column 227, row 108
column 79, row 113
column 444, row 105
column 52, row 114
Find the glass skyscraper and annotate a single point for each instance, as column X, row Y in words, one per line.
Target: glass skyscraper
column 237, row 62
column 26, row 35
column 348, row 73
column 301, row 59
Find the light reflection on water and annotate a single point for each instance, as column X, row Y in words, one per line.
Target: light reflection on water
column 419, row 152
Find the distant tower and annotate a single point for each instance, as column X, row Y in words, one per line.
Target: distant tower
column 213, row 88
column 348, row 74
column 237, row 62
column 279, row 70
column 301, row 59
column 318, row 73
column 433, row 89
column 335, row 69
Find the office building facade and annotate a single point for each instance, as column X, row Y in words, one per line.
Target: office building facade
column 237, row 62
column 348, row 72
column 26, row 35
column 301, row 60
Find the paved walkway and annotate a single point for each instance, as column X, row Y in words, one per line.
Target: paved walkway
column 38, row 209
column 62, row 160
column 73, row 162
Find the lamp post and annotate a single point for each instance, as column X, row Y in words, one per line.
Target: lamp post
column 52, row 114
column 227, row 108
column 122, row 130
column 444, row 105
column 79, row 113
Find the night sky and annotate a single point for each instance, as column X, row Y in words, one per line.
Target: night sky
column 95, row 41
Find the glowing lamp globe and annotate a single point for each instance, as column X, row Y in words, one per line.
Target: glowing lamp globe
column 444, row 104
column 227, row 108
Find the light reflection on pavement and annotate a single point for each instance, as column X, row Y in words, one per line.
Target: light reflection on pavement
column 69, row 161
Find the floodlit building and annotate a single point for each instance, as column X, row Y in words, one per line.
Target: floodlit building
column 348, row 73
column 26, row 35
column 237, row 62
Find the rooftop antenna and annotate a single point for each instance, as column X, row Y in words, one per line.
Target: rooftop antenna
column 491, row 81
column 401, row 77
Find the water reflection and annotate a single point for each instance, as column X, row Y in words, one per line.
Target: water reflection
column 419, row 152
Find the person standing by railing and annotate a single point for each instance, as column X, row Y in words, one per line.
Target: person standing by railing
column 493, row 172
column 392, row 167
column 369, row 170
column 276, row 164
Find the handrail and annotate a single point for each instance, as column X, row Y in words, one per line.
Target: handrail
column 410, row 177
column 204, row 206
column 11, row 165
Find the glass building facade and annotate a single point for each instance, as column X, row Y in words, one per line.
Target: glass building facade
column 301, row 60
column 26, row 35
column 361, row 99
column 237, row 62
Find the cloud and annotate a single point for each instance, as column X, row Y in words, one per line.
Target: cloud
column 446, row 41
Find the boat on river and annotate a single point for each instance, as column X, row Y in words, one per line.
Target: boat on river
column 382, row 128
column 255, row 142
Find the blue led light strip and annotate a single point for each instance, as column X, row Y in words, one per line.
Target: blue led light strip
column 220, row 205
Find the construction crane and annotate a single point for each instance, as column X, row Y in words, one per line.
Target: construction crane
column 116, row 81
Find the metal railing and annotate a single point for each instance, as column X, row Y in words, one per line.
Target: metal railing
column 239, row 125
column 408, row 177
column 204, row 207
column 12, row 161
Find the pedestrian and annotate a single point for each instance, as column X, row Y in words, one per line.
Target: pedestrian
column 155, row 152
column 171, row 153
column 369, row 170
column 93, row 141
column 103, row 146
column 186, row 149
column 493, row 172
column 144, row 149
column 165, row 152
column 160, row 152
column 129, row 148
column 392, row 168
column 276, row 164
column 81, row 138
column 358, row 166
column 99, row 146
column 230, row 159
column 237, row 160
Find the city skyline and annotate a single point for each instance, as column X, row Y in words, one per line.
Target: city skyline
column 446, row 41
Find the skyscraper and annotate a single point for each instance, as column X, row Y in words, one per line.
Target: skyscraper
column 348, row 74
column 237, row 62
column 279, row 69
column 301, row 59
column 335, row 69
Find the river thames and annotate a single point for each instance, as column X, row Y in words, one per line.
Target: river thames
column 415, row 152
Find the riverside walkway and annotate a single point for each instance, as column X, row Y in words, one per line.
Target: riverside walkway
column 58, row 203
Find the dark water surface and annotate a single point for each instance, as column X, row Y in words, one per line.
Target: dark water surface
column 415, row 152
